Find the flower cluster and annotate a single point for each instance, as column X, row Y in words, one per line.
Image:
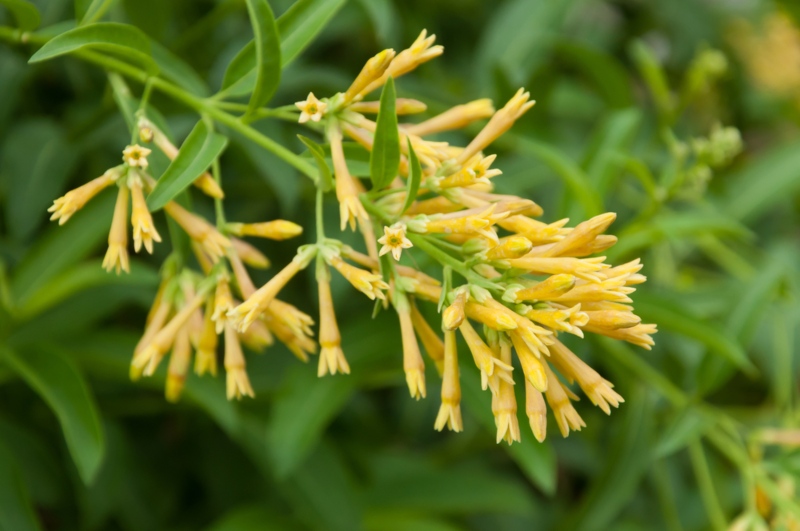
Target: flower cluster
column 524, row 282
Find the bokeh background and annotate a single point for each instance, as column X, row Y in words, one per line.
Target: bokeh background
column 641, row 106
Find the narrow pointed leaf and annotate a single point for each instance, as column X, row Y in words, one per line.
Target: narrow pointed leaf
column 25, row 13
column 297, row 27
column 123, row 40
column 16, row 510
column 57, row 380
column 385, row 158
column 95, row 11
column 268, row 52
column 319, row 157
column 197, row 153
column 414, row 177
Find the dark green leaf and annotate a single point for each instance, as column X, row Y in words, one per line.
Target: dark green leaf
column 319, row 157
column 38, row 160
column 176, row 70
column 25, row 13
column 197, row 153
column 414, row 177
column 121, row 40
column 268, row 52
column 62, row 386
column 612, row 137
column 385, row 157
column 602, row 69
column 62, row 246
column 687, row 426
column 16, row 511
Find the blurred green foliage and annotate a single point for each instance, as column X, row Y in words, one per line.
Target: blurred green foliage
column 637, row 102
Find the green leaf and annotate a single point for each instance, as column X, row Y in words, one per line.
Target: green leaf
column 121, row 40
column 319, row 157
column 25, row 13
column 197, row 153
column 61, row 385
column 385, row 158
column 672, row 317
column 687, row 426
column 80, row 277
column 16, row 511
column 268, row 52
column 251, row 518
column 95, row 11
column 297, row 27
column 38, row 160
column 176, row 70
column 601, row 69
column 612, row 137
column 772, row 178
column 414, row 177
column 62, row 246
column 573, row 176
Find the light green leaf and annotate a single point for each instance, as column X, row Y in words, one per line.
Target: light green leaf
column 676, row 319
column 297, row 27
column 62, row 246
column 95, row 11
column 61, row 385
column 268, row 52
column 687, row 426
column 121, row 40
column 197, row 153
column 385, row 158
column 16, row 511
column 414, row 177
column 319, row 157
column 25, row 13
column 772, row 178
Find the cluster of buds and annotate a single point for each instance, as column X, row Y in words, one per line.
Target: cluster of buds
column 525, row 282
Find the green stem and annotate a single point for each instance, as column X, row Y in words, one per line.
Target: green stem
column 445, row 259
column 706, row 484
column 218, row 207
column 319, row 212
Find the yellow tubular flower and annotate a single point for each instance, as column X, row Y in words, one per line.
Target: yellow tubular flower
column 457, row 117
column 536, row 231
column 205, row 360
column 257, row 337
column 236, row 381
column 160, row 312
column 559, row 401
column 249, row 310
column 147, row 359
column 278, row 229
column 199, row 230
column 64, row 207
column 504, row 403
column 331, row 357
column 300, row 346
column 369, row 284
column 311, row 109
column 586, row 268
column 454, row 315
column 117, row 254
column 249, row 254
column 223, row 303
column 532, row 366
column 205, row 182
column 450, row 411
column 430, row 340
column 413, row 365
column 483, row 357
column 491, row 318
column 599, row 390
column 402, row 106
column 582, row 235
column 372, row 263
column 500, row 122
column 509, row 247
column 420, row 51
column 567, row 319
column 553, row 286
column 178, row 366
column 372, row 71
column 536, row 410
column 350, row 206
column 143, row 229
